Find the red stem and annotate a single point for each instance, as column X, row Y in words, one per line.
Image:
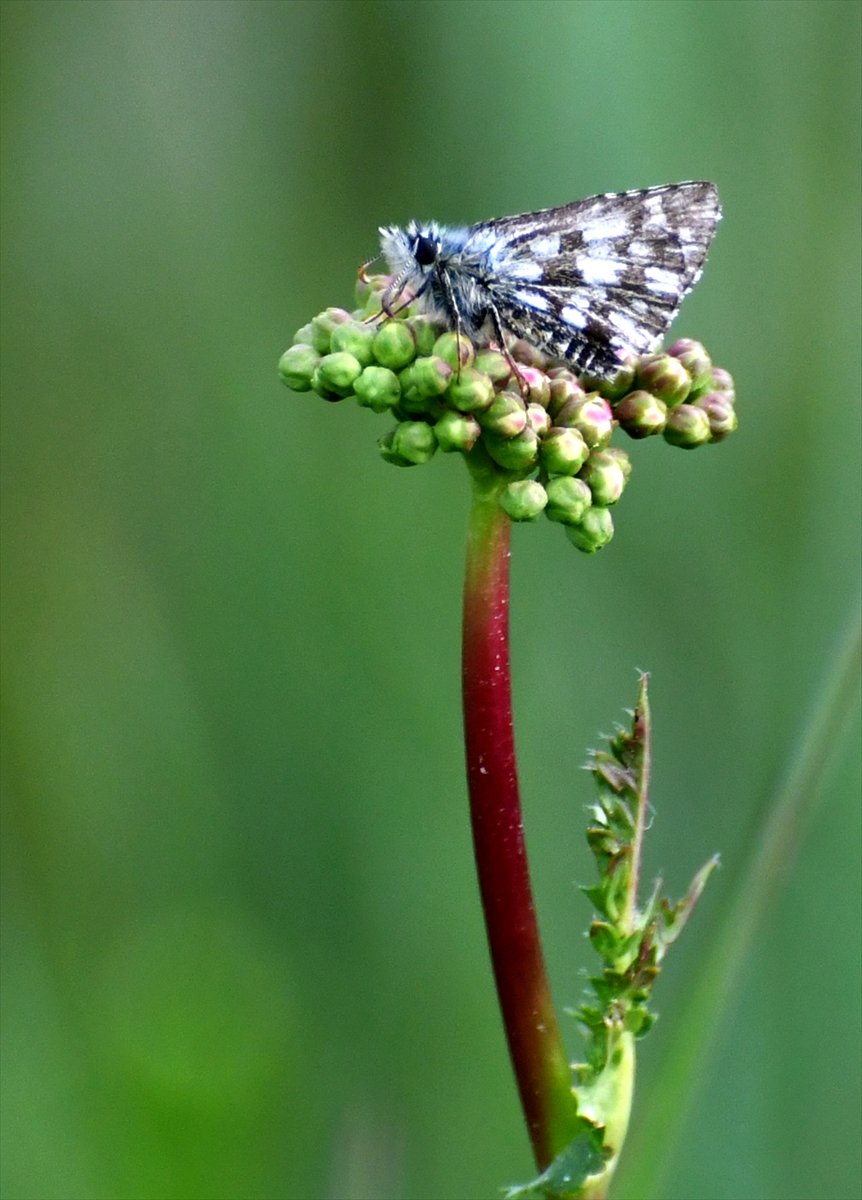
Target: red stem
column 535, row 1045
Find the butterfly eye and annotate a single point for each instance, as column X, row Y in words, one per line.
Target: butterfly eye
column 424, row 251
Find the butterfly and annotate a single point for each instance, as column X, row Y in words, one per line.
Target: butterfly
column 592, row 282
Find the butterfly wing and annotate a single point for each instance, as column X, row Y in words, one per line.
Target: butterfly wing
column 600, row 278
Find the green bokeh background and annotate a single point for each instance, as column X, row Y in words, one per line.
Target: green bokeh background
column 243, row 946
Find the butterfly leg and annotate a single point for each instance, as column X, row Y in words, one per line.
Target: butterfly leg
column 392, row 292
column 497, row 324
column 452, row 311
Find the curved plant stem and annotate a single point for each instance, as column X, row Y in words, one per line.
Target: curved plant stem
column 535, row 1045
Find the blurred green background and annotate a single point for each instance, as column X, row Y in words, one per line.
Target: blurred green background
column 243, row 946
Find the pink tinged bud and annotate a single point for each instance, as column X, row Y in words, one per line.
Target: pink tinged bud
column 564, row 389
column 506, row 416
column 722, row 381
column 696, row 361
column 535, row 384
column 563, row 451
column 641, row 414
column 605, row 477
column 719, row 409
column 665, row 377
column 687, row 427
column 592, row 417
column 538, row 419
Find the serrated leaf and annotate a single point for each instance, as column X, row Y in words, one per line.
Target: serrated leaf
column 600, row 900
column 583, row 1157
column 640, row 1021
column 606, row 940
column 617, row 777
column 590, row 1016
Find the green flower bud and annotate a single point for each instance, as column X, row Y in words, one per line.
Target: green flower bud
column 361, row 290
column 365, row 286
column 377, row 388
column 613, row 386
column 524, row 499
column 457, row 431
column 687, row 427
column 297, row 365
column 604, row 476
column 324, row 392
column 413, row 403
column 594, row 532
column 495, row 365
column 447, row 346
column 619, row 455
column 514, row 454
column 470, row 391
column 538, row 419
column 591, row 416
column 563, row 451
column 568, row 499
column 338, row 372
column 696, row 361
column 386, row 446
column 641, row 414
column 506, row 417
column 431, row 376
column 425, row 333
column 405, row 379
column 536, row 384
column 372, row 309
column 564, row 389
column 355, row 339
column 394, row 346
column 305, row 336
column 722, row 381
column 322, row 326
column 414, row 441
column 665, row 377
column 718, row 407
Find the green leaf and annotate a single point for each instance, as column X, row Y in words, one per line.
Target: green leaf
column 563, row 1179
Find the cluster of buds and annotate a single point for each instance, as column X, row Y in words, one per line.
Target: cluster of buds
column 546, row 430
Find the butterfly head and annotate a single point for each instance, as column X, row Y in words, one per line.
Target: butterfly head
column 411, row 253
